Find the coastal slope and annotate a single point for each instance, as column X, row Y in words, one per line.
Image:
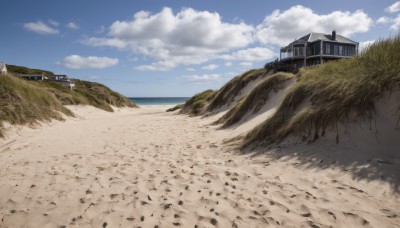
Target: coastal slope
column 30, row 102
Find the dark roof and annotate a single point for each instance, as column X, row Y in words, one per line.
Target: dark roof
column 315, row 36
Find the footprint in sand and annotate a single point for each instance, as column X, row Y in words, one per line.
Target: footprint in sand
column 356, row 217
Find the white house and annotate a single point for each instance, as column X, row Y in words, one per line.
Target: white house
column 3, row 68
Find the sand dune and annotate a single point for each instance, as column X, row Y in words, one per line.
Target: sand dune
column 148, row 168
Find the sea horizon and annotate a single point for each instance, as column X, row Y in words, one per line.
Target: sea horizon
column 148, row 101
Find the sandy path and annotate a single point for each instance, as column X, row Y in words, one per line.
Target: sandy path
column 148, row 168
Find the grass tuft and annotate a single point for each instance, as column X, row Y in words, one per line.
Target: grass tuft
column 176, row 107
column 197, row 104
column 28, row 102
column 24, row 103
column 229, row 91
column 256, row 99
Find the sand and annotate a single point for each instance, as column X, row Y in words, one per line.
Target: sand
column 148, row 168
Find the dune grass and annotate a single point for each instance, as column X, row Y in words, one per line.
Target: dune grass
column 25, row 70
column 256, row 98
column 332, row 93
column 197, row 104
column 176, row 107
column 28, row 102
column 99, row 96
column 24, row 103
column 86, row 93
column 229, row 91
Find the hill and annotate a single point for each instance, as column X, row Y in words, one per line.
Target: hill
column 24, row 70
column 343, row 114
column 316, row 100
column 216, row 101
column 27, row 102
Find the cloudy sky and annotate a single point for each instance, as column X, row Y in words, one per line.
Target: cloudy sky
column 175, row 47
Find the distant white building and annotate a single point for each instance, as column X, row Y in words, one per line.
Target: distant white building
column 62, row 79
column 3, row 68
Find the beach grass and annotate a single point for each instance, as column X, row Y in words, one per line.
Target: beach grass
column 22, row 102
column 197, row 104
column 25, row 70
column 230, row 90
column 256, row 98
column 176, row 107
column 28, row 102
column 100, row 96
column 332, row 93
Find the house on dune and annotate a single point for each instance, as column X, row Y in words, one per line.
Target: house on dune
column 312, row 49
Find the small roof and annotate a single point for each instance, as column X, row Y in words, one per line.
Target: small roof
column 3, row 67
column 315, row 36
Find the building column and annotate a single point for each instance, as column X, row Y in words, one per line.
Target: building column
column 321, row 52
column 305, row 55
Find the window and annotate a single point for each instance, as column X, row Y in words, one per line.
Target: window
column 301, row 50
column 340, row 50
column 351, row 50
column 336, row 50
column 328, row 49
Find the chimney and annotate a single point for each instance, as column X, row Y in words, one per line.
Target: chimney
column 333, row 35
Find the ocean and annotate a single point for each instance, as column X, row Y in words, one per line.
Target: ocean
column 146, row 101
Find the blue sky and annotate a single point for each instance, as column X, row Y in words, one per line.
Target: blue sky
column 174, row 47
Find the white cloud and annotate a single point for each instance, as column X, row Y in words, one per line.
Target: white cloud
column 383, row 20
column 79, row 62
column 210, row 67
column 246, row 64
column 40, row 27
column 205, row 78
column 72, row 25
column 173, row 39
column 54, row 23
column 168, row 64
column 365, row 44
column 251, row 54
column 190, row 69
column 281, row 28
column 228, row 64
column 395, row 7
column 396, row 24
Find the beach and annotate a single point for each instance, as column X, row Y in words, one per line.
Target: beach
column 149, row 168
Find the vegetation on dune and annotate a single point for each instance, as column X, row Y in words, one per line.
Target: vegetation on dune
column 176, row 107
column 334, row 92
column 229, row 91
column 256, row 99
column 24, row 70
column 197, row 104
column 100, row 96
column 86, row 93
column 27, row 102
column 24, row 103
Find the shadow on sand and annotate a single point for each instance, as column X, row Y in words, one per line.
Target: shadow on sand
column 369, row 165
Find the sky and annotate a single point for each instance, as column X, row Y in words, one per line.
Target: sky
column 175, row 48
